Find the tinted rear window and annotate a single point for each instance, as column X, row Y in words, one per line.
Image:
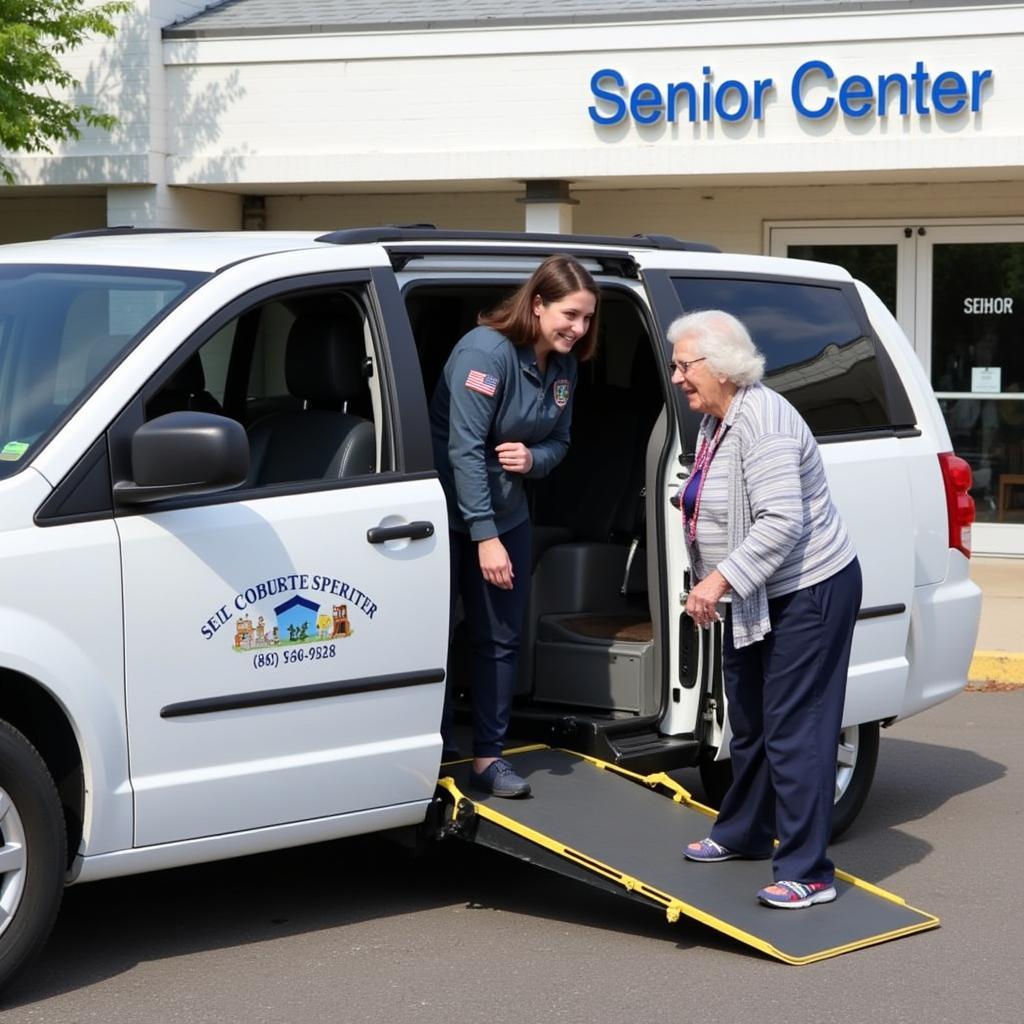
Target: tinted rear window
column 817, row 352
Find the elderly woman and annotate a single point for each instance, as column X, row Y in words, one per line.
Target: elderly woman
column 760, row 525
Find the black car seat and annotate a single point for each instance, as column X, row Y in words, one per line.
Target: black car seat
column 324, row 367
column 185, row 391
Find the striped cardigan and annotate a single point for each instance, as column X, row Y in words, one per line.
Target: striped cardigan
column 767, row 521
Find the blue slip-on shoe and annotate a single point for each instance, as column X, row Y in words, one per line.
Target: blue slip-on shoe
column 500, row 779
column 707, row 851
column 795, row 895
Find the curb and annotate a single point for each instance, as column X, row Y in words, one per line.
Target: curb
column 997, row 666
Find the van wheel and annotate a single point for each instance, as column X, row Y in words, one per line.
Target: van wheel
column 856, row 759
column 32, row 852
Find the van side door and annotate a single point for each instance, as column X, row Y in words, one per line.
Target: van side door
column 285, row 642
column 823, row 356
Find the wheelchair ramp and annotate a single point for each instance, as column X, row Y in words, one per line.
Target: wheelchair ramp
column 625, row 833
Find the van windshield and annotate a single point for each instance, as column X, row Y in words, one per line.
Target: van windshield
column 61, row 329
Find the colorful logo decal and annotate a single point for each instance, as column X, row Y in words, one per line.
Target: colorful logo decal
column 561, row 390
column 293, row 622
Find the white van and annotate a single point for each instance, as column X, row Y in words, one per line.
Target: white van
column 224, row 609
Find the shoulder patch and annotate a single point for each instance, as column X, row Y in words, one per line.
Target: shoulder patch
column 485, row 383
column 560, row 389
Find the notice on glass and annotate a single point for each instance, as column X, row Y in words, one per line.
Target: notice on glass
column 986, row 380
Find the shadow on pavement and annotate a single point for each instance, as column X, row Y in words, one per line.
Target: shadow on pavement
column 107, row 928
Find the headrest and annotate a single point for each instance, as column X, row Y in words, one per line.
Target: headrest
column 323, row 360
column 189, row 378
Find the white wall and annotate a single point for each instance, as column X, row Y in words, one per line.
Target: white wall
column 392, row 108
column 729, row 217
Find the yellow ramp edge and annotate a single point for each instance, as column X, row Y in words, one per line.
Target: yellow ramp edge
column 673, row 906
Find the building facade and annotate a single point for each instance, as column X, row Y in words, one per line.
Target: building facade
column 887, row 136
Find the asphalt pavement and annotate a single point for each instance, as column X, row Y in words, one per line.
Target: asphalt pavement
column 360, row 931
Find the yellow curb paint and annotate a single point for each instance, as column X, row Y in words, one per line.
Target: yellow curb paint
column 999, row 666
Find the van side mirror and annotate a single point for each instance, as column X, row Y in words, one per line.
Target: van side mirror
column 183, row 453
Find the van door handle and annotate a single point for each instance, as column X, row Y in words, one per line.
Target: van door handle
column 405, row 531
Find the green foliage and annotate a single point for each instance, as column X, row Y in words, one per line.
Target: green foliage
column 34, row 34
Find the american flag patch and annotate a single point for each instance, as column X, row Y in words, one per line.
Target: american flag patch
column 485, row 383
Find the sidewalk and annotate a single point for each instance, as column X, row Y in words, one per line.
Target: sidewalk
column 999, row 654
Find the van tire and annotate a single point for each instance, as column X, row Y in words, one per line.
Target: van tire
column 854, row 774
column 30, row 818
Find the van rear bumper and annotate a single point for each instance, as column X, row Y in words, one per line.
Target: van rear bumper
column 943, row 631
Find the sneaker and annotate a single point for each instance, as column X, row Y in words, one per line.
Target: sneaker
column 708, row 851
column 500, row 779
column 794, row 895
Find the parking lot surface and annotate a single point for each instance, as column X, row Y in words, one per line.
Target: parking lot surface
column 360, row 931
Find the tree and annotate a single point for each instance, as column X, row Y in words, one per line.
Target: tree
column 34, row 34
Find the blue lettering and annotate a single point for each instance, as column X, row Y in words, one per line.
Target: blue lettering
column 645, row 103
column 977, row 81
column 706, row 116
column 691, row 100
column 956, row 91
column 796, row 91
column 920, row 79
column 884, row 83
column 855, row 96
column 743, row 105
column 762, row 87
column 617, row 102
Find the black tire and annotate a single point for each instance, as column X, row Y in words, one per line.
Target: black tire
column 30, row 817
column 855, row 771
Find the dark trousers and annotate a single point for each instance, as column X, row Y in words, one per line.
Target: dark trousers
column 786, row 696
column 494, row 622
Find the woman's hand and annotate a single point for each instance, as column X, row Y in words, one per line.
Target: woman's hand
column 495, row 563
column 703, row 598
column 515, row 457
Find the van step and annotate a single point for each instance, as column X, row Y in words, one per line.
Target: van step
column 623, row 741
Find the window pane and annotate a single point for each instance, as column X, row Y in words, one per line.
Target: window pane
column 875, row 265
column 977, row 314
column 815, row 352
column 989, row 434
column 60, row 330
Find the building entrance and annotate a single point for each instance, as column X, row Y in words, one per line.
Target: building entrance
column 958, row 292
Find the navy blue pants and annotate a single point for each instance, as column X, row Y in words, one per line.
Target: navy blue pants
column 494, row 621
column 786, row 696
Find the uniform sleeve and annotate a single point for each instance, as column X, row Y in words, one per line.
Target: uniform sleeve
column 771, row 470
column 469, row 424
column 549, row 453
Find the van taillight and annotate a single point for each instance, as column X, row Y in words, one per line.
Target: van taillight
column 956, row 478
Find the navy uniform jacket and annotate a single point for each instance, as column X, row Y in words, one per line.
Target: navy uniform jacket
column 491, row 392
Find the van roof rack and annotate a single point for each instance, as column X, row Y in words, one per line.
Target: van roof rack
column 125, row 229
column 431, row 233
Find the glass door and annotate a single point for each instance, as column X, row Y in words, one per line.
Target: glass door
column 973, row 281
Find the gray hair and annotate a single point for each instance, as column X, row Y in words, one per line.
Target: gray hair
column 724, row 342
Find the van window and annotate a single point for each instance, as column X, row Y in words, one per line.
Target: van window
column 297, row 373
column 61, row 329
column 816, row 350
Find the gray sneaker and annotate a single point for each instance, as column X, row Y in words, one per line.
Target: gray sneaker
column 500, row 779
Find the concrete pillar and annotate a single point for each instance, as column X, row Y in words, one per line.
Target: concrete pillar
column 548, row 207
column 167, row 206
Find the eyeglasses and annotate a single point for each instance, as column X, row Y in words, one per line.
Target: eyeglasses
column 684, row 366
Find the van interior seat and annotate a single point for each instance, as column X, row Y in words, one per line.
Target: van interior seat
column 324, row 367
column 185, row 391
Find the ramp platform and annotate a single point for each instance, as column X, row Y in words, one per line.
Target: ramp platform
column 625, row 833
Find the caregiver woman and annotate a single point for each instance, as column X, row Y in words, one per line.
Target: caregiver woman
column 500, row 414
column 760, row 524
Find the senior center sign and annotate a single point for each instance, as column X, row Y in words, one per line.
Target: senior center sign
column 815, row 90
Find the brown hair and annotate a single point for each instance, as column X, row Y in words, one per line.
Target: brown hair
column 556, row 277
